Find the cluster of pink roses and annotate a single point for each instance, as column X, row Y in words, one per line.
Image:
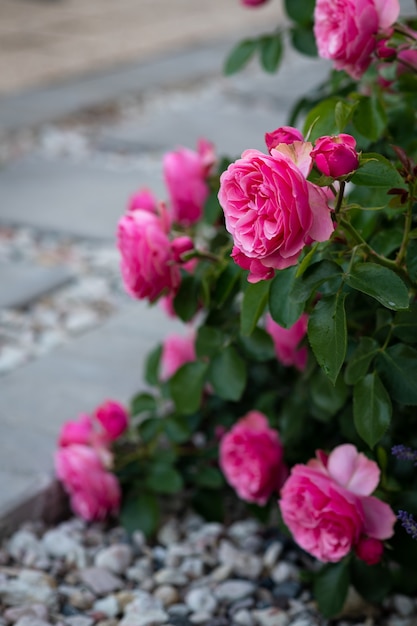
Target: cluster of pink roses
column 326, row 503
column 151, row 257
column 271, row 210
column 83, row 459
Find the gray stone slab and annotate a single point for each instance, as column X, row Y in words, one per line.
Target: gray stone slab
column 22, row 284
column 84, row 199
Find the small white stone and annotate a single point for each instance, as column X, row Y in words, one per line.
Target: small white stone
column 284, row 571
column 242, row 529
column 109, row 606
column 28, row 620
column 221, row 573
column 79, row 620
column 168, row 576
column 272, row 554
column 201, row 600
column 403, row 605
column 30, row 587
column 243, row 618
column 169, row 533
column 232, row 590
column 60, row 545
column 116, row 558
column 192, row 567
column 167, row 594
column 270, row 617
column 144, row 611
column 23, row 541
column 199, row 618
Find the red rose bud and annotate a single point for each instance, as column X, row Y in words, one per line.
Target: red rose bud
column 369, row 550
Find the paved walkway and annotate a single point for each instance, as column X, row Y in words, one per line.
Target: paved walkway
column 178, row 97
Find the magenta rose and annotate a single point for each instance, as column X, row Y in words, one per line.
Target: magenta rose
column 176, row 351
column 287, row 341
column 271, row 210
column 335, row 156
column 76, row 431
column 186, row 172
column 251, row 458
column 369, row 550
column 113, row 418
column 346, row 31
column 253, row 3
column 327, row 505
column 148, row 263
column 143, row 199
column 283, row 134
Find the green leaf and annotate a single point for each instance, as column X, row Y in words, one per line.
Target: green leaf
column 142, row 402
column 360, row 360
column 380, row 283
column 343, row 114
column 327, row 399
column 240, row 56
column 303, row 40
column 411, row 260
column 140, row 512
column 255, row 298
column 327, row 334
column 284, row 310
column 369, row 117
column 376, row 171
column 386, row 241
column 177, row 429
column 373, row 582
column 209, row 504
column 270, row 52
column 228, row 374
column 300, row 11
column 209, row 477
column 322, row 119
column 209, row 341
column 186, row 301
column 331, row 587
column 314, row 277
column 152, row 366
column 398, row 368
column 186, row 386
column 405, row 325
column 226, row 283
column 164, row 479
column 212, row 209
column 372, row 408
column 150, row 428
column 259, row 346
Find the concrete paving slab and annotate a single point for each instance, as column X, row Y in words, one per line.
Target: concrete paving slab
column 83, row 199
column 22, row 284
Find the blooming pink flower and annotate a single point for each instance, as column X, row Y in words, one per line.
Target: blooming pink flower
column 251, row 458
column 335, row 156
column 94, row 492
column 287, row 340
column 76, row 431
column 113, row 418
column 327, row 505
column 148, row 263
column 176, row 351
column 283, row 134
column 369, row 550
column 142, row 199
column 271, row 210
column 185, row 173
column 345, row 30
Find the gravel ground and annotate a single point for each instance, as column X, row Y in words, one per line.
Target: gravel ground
column 195, row 573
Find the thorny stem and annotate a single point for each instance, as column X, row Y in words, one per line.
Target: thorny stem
column 407, row 228
column 340, row 197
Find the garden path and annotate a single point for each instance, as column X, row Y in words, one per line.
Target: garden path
column 78, row 135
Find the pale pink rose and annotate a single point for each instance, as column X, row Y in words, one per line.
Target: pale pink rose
column 143, row 199
column 369, row 550
column 287, row 341
column 346, row 31
column 148, row 264
column 113, row 418
column 76, row 431
column 74, row 462
column 283, row 134
column 185, row 173
column 271, row 211
column 251, row 458
column 99, row 497
column 176, row 351
column 327, row 505
column 335, row 156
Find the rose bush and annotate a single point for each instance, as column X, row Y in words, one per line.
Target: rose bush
column 295, row 271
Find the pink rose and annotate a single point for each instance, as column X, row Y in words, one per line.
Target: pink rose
column 143, row 199
column 76, row 431
column 113, row 418
column 346, row 31
column 185, row 173
column 271, row 210
column 287, row 340
column 327, row 505
column 93, row 491
column 181, row 245
column 148, row 263
column 335, row 156
column 253, row 3
column 369, row 550
column 251, row 458
column 176, row 351
column 284, row 134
